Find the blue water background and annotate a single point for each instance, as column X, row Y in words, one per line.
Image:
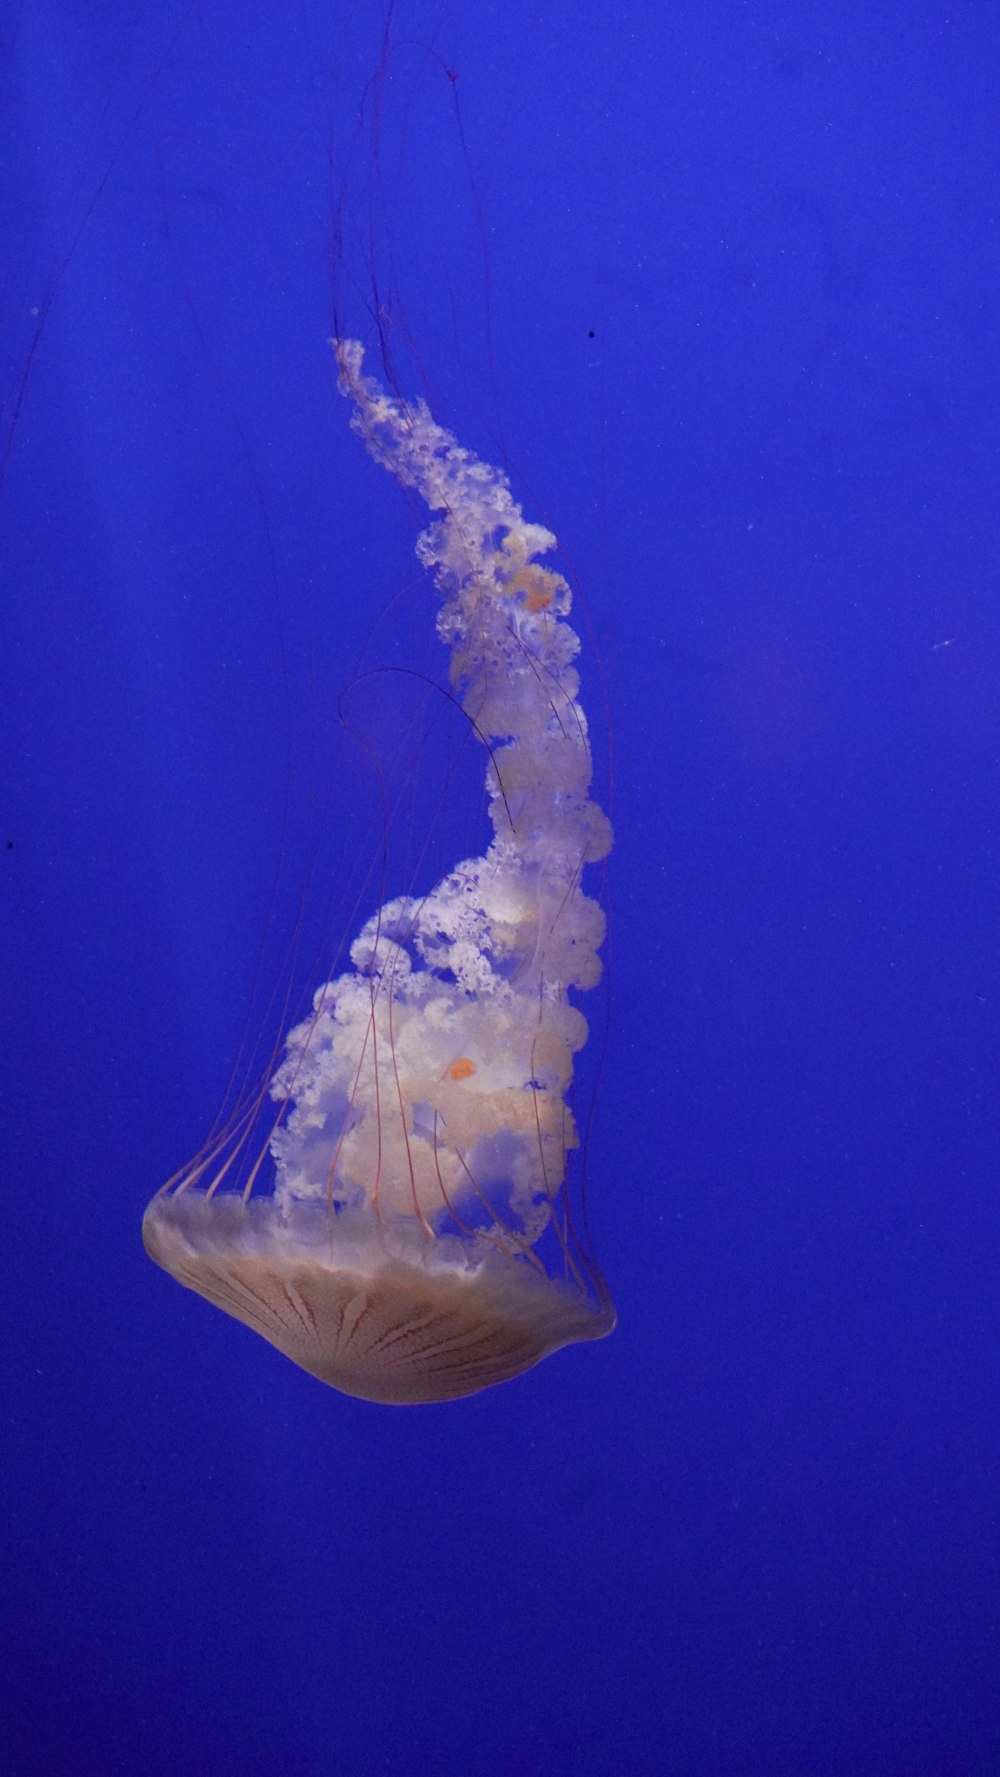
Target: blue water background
column 719, row 284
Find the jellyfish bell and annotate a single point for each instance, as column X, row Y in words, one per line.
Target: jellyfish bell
column 367, row 1309
column 418, row 1241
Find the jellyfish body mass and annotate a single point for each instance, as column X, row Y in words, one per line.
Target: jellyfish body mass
column 418, row 1241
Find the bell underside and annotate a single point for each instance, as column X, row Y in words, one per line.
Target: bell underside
column 374, row 1325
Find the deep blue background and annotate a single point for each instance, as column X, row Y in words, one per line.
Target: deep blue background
column 756, row 1531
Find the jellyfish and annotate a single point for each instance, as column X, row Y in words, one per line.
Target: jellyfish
column 417, row 1240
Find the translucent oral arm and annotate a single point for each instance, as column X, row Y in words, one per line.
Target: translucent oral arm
column 434, row 1073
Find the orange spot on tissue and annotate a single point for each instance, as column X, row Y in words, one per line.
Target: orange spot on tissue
column 461, row 1069
column 538, row 599
column 534, row 586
